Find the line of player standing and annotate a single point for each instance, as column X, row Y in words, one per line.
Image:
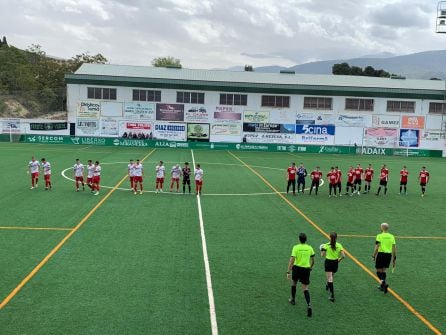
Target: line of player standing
column 34, row 168
column 355, row 177
column 135, row 172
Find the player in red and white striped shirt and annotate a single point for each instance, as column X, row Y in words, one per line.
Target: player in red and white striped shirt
column 78, row 170
column 34, row 167
column 46, row 166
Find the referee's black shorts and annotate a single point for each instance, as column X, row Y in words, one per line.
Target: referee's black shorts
column 301, row 274
column 331, row 265
column 186, row 181
column 382, row 260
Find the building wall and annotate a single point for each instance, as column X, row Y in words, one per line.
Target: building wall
column 362, row 128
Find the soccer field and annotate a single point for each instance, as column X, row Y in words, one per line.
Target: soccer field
column 119, row 263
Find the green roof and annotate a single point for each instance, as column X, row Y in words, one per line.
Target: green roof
column 256, row 82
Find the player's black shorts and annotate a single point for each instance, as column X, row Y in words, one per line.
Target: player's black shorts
column 422, row 184
column 349, row 184
column 331, row 265
column 186, row 181
column 358, row 181
column 315, row 183
column 339, row 184
column 383, row 182
column 368, row 181
column 301, row 274
column 382, row 260
column 403, row 182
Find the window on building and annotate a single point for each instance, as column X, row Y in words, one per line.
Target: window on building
column 318, row 103
column 401, row 106
column 233, row 99
column 359, row 104
column 146, row 95
column 275, row 101
column 437, row 108
column 101, row 93
column 190, row 97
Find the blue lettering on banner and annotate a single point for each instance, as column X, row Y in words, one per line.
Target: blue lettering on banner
column 311, row 129
column 169, row 127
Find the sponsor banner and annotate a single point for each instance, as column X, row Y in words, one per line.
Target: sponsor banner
column 11, row 126
column 252, row 147
column 44, row 139
column 226, row 129
column 256, row 117
column 196, row 114
column 315, row 118
column 87, row 127
column 109, row 126
column 315, row 139
column 135, row 130
column 227, row 116
column 173, row 131
column 139, row 110
column 432, row 139
column 409, row 138
column 111, row 109
column 198, row 131
column 169, row 112
column 48, row 126
column 268, row 138
column 226, row 138
column 380, row 137
column 374, row 151
column 309, row 129
column 288, row 128
column 261, row 127
column 88, row 110
column 385, row 121
column 412, row 122
column 350, row 121
column 282, row 116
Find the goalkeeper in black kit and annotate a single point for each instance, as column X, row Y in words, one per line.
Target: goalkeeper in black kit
column 185, row 172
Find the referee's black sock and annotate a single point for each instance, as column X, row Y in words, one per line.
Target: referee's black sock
column 331, row 288
column 293, row 292
column 378, row 274
column 383, row 277
column 307, row 297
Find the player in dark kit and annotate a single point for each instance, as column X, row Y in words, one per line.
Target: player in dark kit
column 316, row 176
column 358, row 179
column 383, row 179
column 291, row 178
column 368, row 176
column 339, row 180
column 332, row 177
column 403, row 180
column 301, row 174
column 424, row 178
column 350, row 181
column 186, row 177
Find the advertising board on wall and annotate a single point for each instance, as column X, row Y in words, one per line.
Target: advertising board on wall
column 139, row 110
column 315, row 134
column 135, row 129
column 256, row 117
column 282, row 116
column 261, row 127
column 198, row 131
column 227, row 129
column 173, row 131
column 315, row 118
column 412, row 122
column 409, row 137
column 88, row 110
column 380, row 137
column 350, row 120
column 87, row 127
column 385, row 121
column 11, row 126
column 196, row 114
column 269, row 138
column 111, row 109
column 169, row 112
column 109, row 126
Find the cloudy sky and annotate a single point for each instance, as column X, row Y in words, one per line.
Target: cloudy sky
column 222, row 33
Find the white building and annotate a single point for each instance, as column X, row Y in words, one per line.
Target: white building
column 224, row 106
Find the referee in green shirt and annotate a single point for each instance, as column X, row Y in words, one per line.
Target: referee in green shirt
column 334, row 254
column 385, row 250
column 299, row 268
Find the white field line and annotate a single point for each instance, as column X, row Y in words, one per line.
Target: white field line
column 212, row 313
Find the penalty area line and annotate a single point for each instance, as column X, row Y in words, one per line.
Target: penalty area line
column 353, row 258
column 207, row 268
column 39, row 266
column 35, row 228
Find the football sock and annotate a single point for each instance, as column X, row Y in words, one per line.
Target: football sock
column 383, row 276
column 378, row 274
column 385, row 190
column 331, row 288
column 293, row 292
column 307, row 297
column 379, row 190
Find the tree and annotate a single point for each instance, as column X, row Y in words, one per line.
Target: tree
column 341, row 69
column 78, row 60
column 167, row 62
